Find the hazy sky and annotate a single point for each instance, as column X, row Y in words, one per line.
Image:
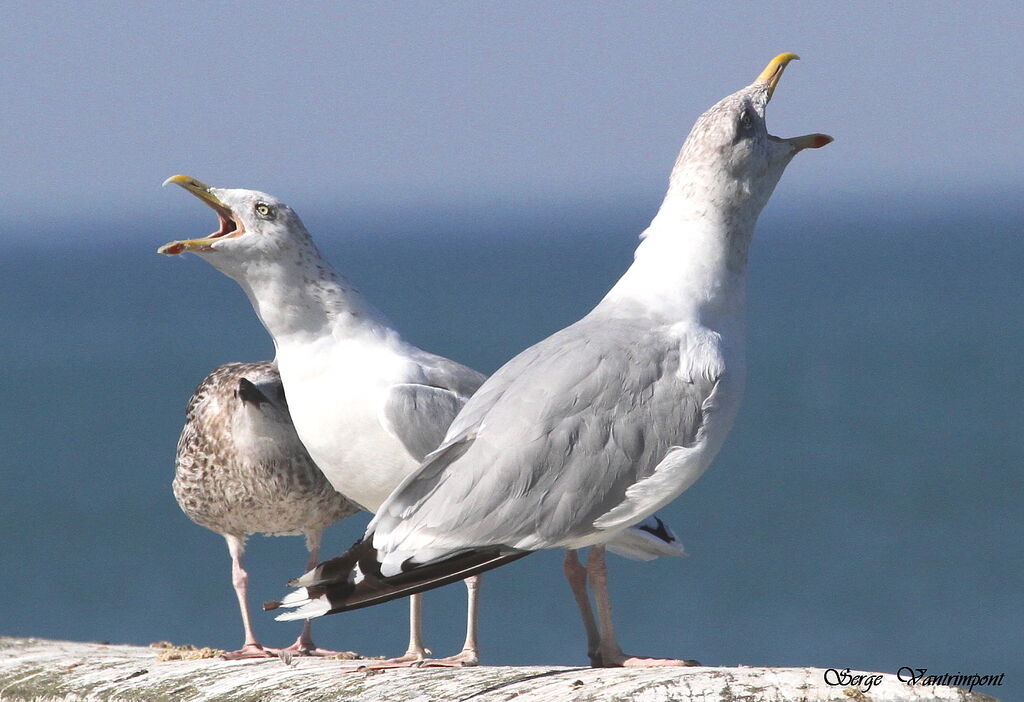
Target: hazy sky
column 513, row 104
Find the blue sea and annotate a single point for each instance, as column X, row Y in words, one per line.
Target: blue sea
column 864, row 513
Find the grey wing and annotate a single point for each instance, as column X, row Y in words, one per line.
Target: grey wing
column 419, row 413
column 460, row 436
column 549, row 444
column 441, row 372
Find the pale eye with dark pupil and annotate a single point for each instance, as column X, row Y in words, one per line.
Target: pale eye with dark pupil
column 264, row 210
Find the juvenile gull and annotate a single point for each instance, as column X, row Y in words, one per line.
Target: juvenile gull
column 240, row 469
column 596, row 427
column 367, row 405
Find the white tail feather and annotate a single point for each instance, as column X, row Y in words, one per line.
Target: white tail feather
column 640, row 544
column 306, row 579
column 305, row 607
column 296, row 598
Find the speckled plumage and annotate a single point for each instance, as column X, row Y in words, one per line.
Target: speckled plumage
column 241, row 468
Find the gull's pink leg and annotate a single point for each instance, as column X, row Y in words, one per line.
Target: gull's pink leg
column 304, row 645
column 609, row 655
column 240, row 579
column 576, row 574
column 470, row 654
column 416, row 655
column 415, row 651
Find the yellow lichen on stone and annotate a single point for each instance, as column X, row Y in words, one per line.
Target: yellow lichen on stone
column 344, row 656
column 185, row 652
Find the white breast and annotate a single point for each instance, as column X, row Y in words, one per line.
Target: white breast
column 335, row 392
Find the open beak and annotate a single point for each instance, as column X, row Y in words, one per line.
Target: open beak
column 770, row 76
column 773, row 71
column 229, row 225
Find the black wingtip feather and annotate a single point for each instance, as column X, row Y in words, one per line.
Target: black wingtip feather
column 336, row 578
column 660, row 531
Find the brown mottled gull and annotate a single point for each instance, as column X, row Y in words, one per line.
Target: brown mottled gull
column 242, row 470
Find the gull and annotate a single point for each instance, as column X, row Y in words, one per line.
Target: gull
column 593, row 429
column 240, row 469
column 367, row 405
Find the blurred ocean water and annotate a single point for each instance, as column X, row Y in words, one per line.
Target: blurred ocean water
column 865, row 512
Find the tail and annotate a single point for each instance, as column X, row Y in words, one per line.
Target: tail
column 353, row 580
column 647, row 540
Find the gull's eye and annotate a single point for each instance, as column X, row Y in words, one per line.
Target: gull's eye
column 744, row 126
column 264, row 210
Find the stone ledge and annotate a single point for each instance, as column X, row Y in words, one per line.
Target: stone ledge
column 38, row 670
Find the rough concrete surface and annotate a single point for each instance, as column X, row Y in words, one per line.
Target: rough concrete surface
column 46, row 671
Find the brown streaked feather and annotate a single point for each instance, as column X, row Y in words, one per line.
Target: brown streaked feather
column 254, row 476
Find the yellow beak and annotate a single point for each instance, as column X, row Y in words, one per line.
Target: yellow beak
column 203, row 192
column 770, row 75
column 200, row 190
column 773, row 71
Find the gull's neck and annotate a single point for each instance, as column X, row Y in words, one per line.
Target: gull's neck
column 300, row 299
column 690, row 264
